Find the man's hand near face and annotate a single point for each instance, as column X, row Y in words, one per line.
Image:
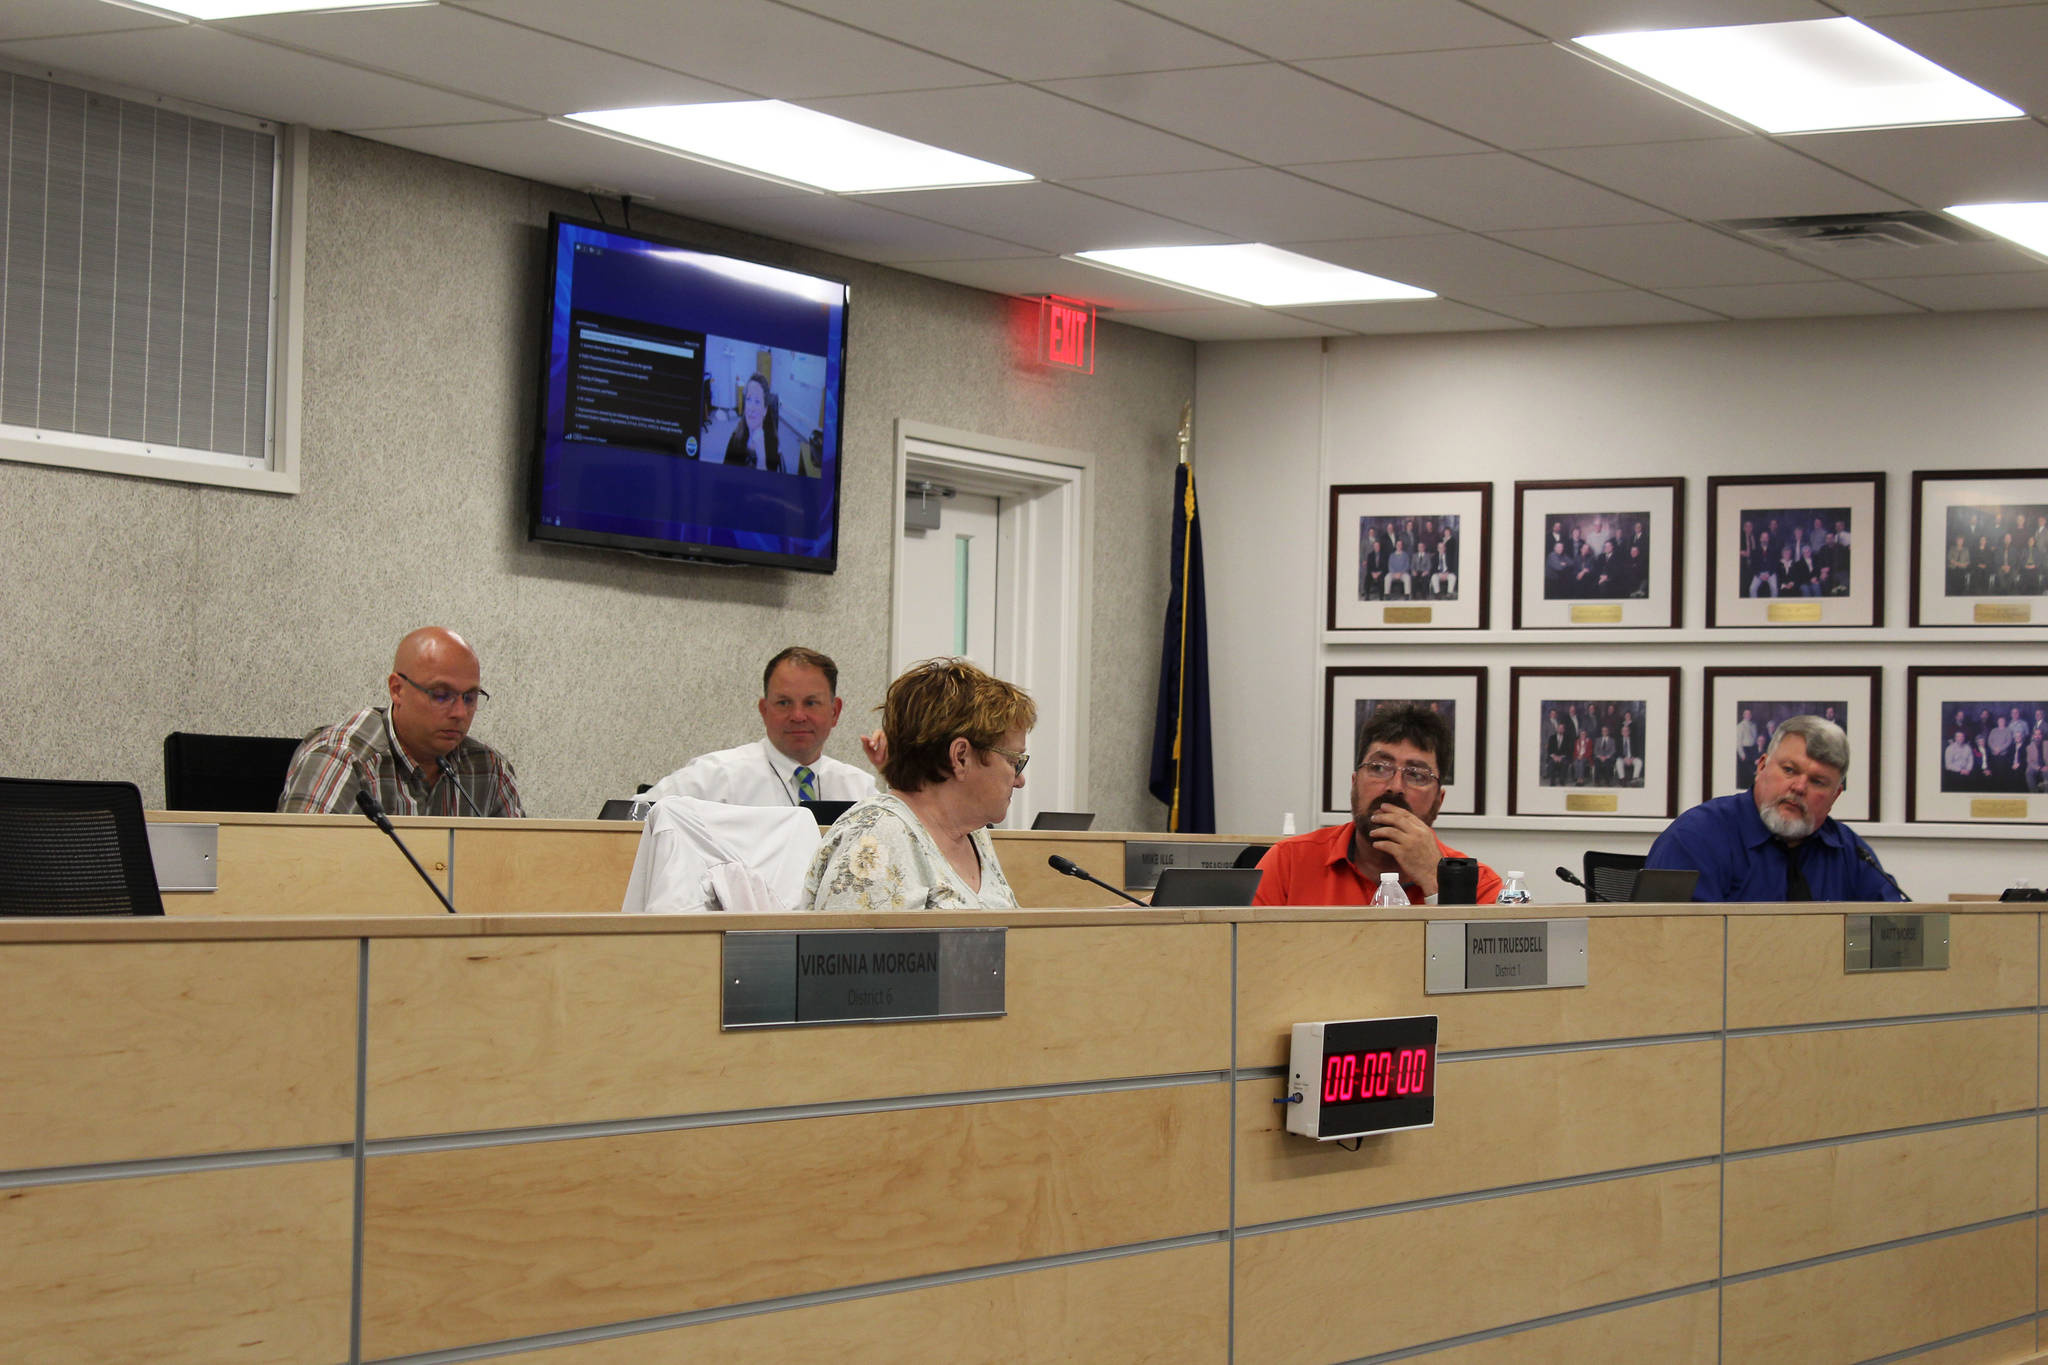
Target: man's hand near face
column 1401, row 835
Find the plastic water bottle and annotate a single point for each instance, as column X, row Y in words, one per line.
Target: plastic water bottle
column 1513, row 892
column 1287, row 824
column 1390, row 892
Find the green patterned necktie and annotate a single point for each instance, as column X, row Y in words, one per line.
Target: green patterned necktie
column 806, row 784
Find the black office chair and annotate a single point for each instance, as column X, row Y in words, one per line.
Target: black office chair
column 74, row 848
column 1611, row 876
column 1251, row 855
column 225, row 772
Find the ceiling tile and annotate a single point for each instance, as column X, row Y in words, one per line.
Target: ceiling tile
column 1457, row 264
column 1958, row 293
column 554, row 155
column 1663, row 255
column 766, row 49
column 1266, row 112
column 1051, row 38
column 1608, row 308
column 1484, row 193
column 210, row 67
column 1409, row 315
column 1535, row 95
column 1999, row 49
column 1743, row 177
column 1826, row 298
column 1050, row 275
column 1967, row 258
column 1342, row 28
column 459, row 50
column 1051, row 218
column 1576, row 18
column 1257, row 204
column 60, row 18
column 1230, row 324
column 1863, row 9
column 1029, row 129
column 867, row 232
column 1934, row 167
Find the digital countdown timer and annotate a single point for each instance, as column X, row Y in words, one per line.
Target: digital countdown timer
column 1350, row 1077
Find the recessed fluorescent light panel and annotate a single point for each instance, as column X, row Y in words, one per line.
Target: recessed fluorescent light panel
column 2025, row 224
column 243, row 9
column 1252, row 272
column 800, row 146
column 1808, row 76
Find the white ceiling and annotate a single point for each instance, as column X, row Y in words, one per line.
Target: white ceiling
column 1450, row 144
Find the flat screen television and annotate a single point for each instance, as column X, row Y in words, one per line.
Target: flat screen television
column 689, row 402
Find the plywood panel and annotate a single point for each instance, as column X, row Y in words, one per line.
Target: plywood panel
column 1796, row 1087
column 483, row 1244
column 123, row 1051
column 1787, row 969
column 335, row 867
column 1796, row 1205
column 1679, row 1331
column 1165, row 1308
column 2009, row 1347
column 244, row 1266
column 1865, row 1306
column 1646, row 976
column 1569, row 1113
column 516, row 871
column 1023, row 857
column 1338, row 1290
column 510, row 1032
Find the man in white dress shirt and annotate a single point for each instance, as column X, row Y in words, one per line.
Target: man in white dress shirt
column 799, row 706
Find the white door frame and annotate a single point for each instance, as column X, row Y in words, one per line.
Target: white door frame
column 1046, row 572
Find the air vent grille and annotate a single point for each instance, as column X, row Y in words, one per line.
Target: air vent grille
column 1857, row 232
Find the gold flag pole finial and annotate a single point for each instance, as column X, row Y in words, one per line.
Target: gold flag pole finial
column 1187, row 429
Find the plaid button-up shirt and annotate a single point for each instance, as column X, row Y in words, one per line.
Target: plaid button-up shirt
column 334, row 763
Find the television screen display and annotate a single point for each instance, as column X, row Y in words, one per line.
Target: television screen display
column 690, row 402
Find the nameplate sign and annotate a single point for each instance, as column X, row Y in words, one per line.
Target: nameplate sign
column 1591, row 803
column 1143, row 862
column 1784, row 613
column 1998, row 808
column 780, row 980
column 1406, row 616
column 2003, row 613
column 187, row 857
column 1597, row 614
column 1503, row 955
column 1895, row 943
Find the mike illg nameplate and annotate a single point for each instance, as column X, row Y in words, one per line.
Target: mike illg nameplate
column 850, row 976
column 1503, row 955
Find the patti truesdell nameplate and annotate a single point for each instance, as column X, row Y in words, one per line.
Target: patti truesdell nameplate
column 1503, row 955
column 862, row 976
column 1895, row 943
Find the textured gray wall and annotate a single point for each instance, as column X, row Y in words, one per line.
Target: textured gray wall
column 134, row 608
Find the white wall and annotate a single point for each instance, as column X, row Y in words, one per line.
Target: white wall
column 1278, row 423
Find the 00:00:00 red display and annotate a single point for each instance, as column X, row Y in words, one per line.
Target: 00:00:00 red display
column 1351, row 1076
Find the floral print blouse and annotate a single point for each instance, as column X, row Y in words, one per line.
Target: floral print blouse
column 878, row 857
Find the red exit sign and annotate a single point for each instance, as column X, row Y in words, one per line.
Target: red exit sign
column 1066, row 333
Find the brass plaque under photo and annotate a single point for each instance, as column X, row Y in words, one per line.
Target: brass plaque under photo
column 1998, row 808
column 1503, row 955
column 1592, row 803
column 1792, row 612
column 1597, row 614
column 1895, row 943
column 1406, row 616
column 775, row 980
column 2003, row 614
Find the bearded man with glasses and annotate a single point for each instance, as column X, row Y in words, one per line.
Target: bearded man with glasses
column 416, row 756
column 1396, row 791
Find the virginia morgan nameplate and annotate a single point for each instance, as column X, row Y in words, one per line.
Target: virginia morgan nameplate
column 861, row 976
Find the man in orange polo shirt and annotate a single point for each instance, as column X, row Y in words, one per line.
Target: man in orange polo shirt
column 1396, row 791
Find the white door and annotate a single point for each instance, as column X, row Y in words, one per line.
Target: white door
column 949, row 599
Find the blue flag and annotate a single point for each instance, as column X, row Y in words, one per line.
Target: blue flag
column 1183, row 764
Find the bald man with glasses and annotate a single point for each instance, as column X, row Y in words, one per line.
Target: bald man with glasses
column 1396, row 791
column 416, row 755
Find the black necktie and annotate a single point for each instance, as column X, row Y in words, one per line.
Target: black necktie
column 1796, row 888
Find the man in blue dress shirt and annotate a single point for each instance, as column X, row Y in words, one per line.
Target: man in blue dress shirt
column 1775, row 842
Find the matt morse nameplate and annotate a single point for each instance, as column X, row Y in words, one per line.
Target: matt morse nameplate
column 1895, row 943
column 861, row 975
column 1503, row 955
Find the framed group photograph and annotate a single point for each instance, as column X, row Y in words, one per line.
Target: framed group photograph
column 1351, row 695
column 1977, row 745
column 1745, row 706
column 1599, row 552
column 1792, row 550
column 1980, row 548
column 1593, row 742
column 1409, row 556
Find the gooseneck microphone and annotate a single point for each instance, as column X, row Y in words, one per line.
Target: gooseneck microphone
column 1070, row 868
column 1863, row 852
column 367, row 803
column 1564, row 874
